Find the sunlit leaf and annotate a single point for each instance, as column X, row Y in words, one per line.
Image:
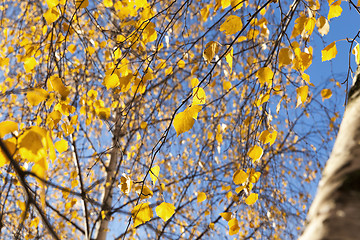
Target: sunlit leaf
column 52, row 3
column 325, row 94
column 199, row 96
column 229, row 58
column 7, row 127
column 61, row 146
column 108, row 3
column 251, row 199
column 181, row 64
column 268, row 137
column 265, row 75
column 11, row 147
column 211, row 49
column 141, row 214
column 240, row 177
column 125, row 184
column 165, row 210
column 36, row 96
column 51, row 15
column 329, row 52
column 226, row 215
column 185, row 120
column 111, row 81
column 154, row 173
column 255, row 152
column 81, row 3
column 231, row 25
column 143, row 191
column 335, row 10
column 302, row 93
column 55, row 84
column 143, row 125
column 285, row 57
column 30, row 64
column 323, row 25
column 201, row 196
column 233, row 226
column 356, row 52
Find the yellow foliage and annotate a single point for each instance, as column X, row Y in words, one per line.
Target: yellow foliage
column 141, row 214
column 165, row 211
column 251, row 199
column 329, row 52
column 7, row 127
column 265, row 75
column 325, row 94
column 185, row 120
column 125, row 184
column 154, row 173
column 199, row 96
column 231, row 25
column 226, row 215
column 201, row 196
column 255, row 152
column 36, row 96
column 211, row 49
column 240, row 177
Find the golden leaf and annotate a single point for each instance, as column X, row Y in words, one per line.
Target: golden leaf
column 231, row 25
column 141, row 214
column 251, row 199
column 154, row 173
column 211, row 49
column 201, row 196
column 165, row 210
column 329, row 52
column 240, row 177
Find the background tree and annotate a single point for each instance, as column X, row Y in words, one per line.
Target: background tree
column 161, row 119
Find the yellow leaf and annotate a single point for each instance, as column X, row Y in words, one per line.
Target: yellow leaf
column 231, row 25
column 81, row 3
column 125, row 184
column 227, row 85
column 329, row 52
column 255, row 152
column 111, row 81
column 212, row 226
column 265, row 75
column 325, row 94
column 285, row 57
column 356, row 52
column 233, row 226
column 165, row 210
column 11, row 147
column 335, row 10
column 141, row 214
column 55, row 84
column 199, row 96
column 52, row 3
column 108, row 3
column 36, row 96
column 201, row 196
column 236, row 4
column 7, row 127
column 194, row 82
column 226, row 215
column 239, row 189
column 51, row 15
column 255, row 177
column 229, row 58
column 268, row 137
column 185, row 120
column 211, row 49
column 149, row 33
column 181, row 64
column 194, row 110
column 251, row 199
column 29, row 64
column 143, row 125
column 323, row 25
column 154, row 173
column 240, row 177
column 61, row 146
column 302, row 93
column 145, row 192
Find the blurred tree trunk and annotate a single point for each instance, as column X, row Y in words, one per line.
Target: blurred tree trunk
column 335, row 211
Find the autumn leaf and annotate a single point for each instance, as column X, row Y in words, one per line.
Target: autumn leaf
column 199, row 96
column 51, row 15
column 323, row 25
column 55, row 84
column 255, row 152
column 111, row 81
column 251, row 199
column 325, row 94
column 229, row 58
column 285, row 57
column 265, row 75
column 61, row 146
column 141, row 214
column 226, row 215
column 30, row 64
column 335, row 10
column 329, row 52
column 7, row 127
column 211, row 49
column 184, row 121
column 201, row 196
column 302, row 93
column 125, row 184
column 268, row 137
column 165, row 211
column 144, row 191
column 36, row 96
column 356, row 52
column 11, row 147
column 231, row 25
column 52, row 3
column 240, row 177
column 233, row 226
column 154, row 173
column 81, row 3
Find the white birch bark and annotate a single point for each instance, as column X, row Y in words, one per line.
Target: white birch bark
column 335, row 211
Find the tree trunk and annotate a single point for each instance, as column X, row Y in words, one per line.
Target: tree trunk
column 335, row 211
